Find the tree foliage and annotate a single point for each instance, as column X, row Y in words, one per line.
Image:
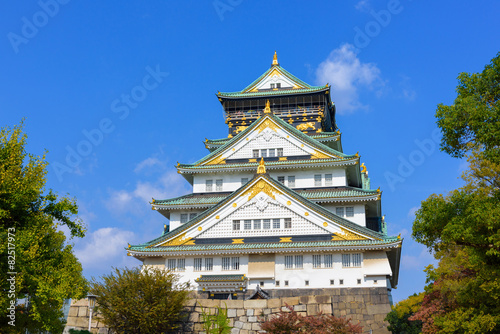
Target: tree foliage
column 398, row 318
column 135, row 301
column 46, row 270
column 293, row 323
column 463, row 228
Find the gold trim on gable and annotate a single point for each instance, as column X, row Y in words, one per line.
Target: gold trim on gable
column 238, row 241
column 263, row 186
column 267, row 124
column 177, row 241
column 319, row 155
column 285, row 239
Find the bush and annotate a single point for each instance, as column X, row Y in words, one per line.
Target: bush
column 293, row 323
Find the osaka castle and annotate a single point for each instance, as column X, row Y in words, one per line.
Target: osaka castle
column 276, row 204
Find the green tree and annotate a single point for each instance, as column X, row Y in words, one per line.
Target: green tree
column 398, row 317
column 216, row 323
column 135, row 301
column 463, row 228
column 45, row 270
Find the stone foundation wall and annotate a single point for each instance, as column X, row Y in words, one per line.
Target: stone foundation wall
column 366, row 306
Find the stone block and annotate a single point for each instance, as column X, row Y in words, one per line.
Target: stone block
column 235, row 331
column 312, row 309
column 256, row 326
column 82, row 322
column 255, row 303
column 240, row 312
column 102, row 330
column 80, row 302
column 378, row 309
column 273, row 303
column 267, row 311
column 244, row 331
column 231, row 313
column 194, row 317
column 250, row 312
column 233, row 303
column 190, row 302
column 71, row 321
column 82, row 311
column 208, row 303
column 238, row 324
column 322, row 299
column 290, row 301
column 73, row 311
column 252, row 319
column 198, row 327
column 247, row 326
column 243, row 318
column 325, row 308
column 300, row 308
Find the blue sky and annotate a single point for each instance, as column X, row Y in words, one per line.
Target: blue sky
column 138, row 78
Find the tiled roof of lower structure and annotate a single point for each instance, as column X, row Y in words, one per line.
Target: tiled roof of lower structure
column 221, row 278
column 315, row 194
column 277, row 246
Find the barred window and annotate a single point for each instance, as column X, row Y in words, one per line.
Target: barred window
column 356, row 260
column 244, row 180
column 317, row 180
column 316, row 261
column 235, row 263
column 198, row 264
column 328, row 180
column 291, row 181
column 184, row 218
column 226, row 263
column 208, row 185
column 209, row 263
column 339, row 211
column 247, row 224
column 181, row 264
column 351, row 260
column 281, row 179
column 346, row 260
column 267, row 224
column 263, row 153
column 288, row 222
column 236, row 225
column 272, row 152
column 171, row 263
column 256, row 224
column 218, row 185
column 299, row 261
column 192, row 215
column 288, row 262
column 349, row 211
column 255, row 153
column 328, row 261
column 276, row 223
column 280, row 152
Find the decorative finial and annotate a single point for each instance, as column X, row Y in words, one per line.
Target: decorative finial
column 153, row 202
column 275, row 59
column 363, row 168
column 262, row 168
column 129, row 246
column 267, row 109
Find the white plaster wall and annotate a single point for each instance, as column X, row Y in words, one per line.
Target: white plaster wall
column 303, row 179
column 359, row 212
column 317, row 277
column 175, row 217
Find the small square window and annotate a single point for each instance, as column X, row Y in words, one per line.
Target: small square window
column 288, row 222
column 349, row 211
column 281, row 179
column 286, row 283
column 255, row 153
column 306, row 283
column 332, row 282
column 339, row 211
column 279, row 152
column 341, row 282
column 247, row 224
column 291, row 181
column 317, row 180
column 261, row 283
column 375, row 281
column 263, row 153
column 276, row 223
column 267, row 224
column 359, row 281
column 278, row 85
column 277, row 283
column 328, row 180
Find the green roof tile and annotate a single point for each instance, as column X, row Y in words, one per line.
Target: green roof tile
column 221, row 278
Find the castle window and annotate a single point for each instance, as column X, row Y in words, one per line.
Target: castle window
column 339, row 211
column 291, row 181
column 328, row 180
column 280, row 152
column 226, row 263
column 306, row 283
column 328, row 260
column 286, row 283
column 288, row 222
column 255, row 153
column 263, row 153
column 341, row 282
column 247, row 225
column 277, row 283
column 209, row 263
column 236, row 225
column 267, row 224
column 351, row 260
column 171, row 264
column 192, row 215
column 281, row 179
column 317, row 180
column 299, row 261
column 288, row 262
column 181, row 264
column 272, row 152
column 244, row 180
column 332, row 282
column 208, row 185
column 278, row 85
column 235, row 263
column 359, row 281
column 349, row 211
column 256, row 224
column 218, row 185
column 184, row 218
column 197, row 264
column 261, row 283
column 316, row 261
column 272, row 86
column 276, row 223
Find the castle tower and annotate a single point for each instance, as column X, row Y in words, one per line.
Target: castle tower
column 277, row 204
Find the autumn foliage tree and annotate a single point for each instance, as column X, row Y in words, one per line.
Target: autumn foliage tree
column 463, row 228
column 399, row 316
column 290, row 322
column 33, row 252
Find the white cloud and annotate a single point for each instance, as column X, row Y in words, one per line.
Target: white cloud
column 104, row 248
column 119, row 201
column 346, row 73
column 149, row 162
column 411, row 212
